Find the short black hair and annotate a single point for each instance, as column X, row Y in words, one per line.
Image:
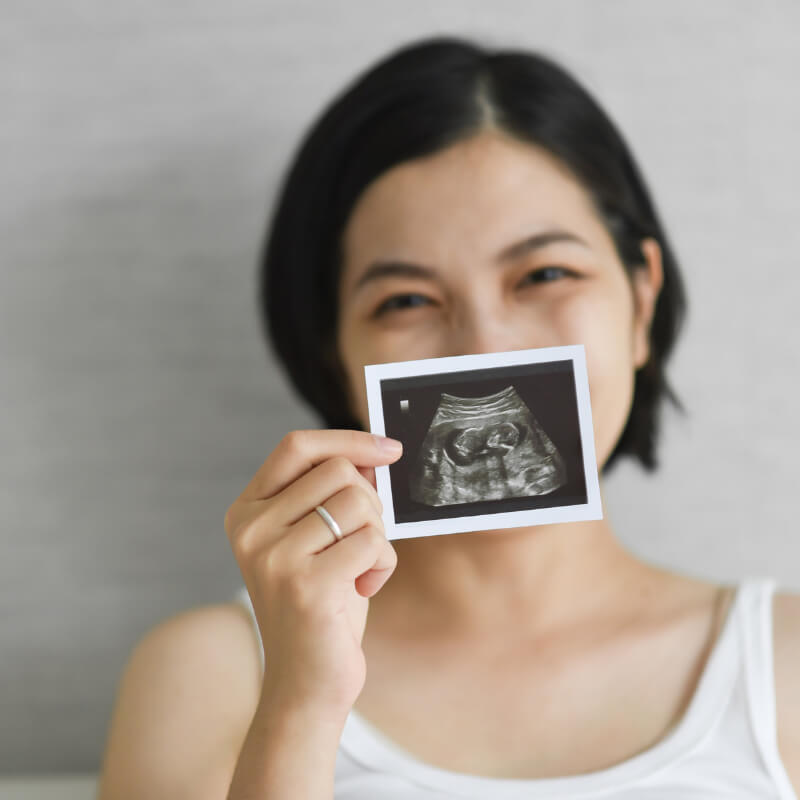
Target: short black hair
column 418, row 100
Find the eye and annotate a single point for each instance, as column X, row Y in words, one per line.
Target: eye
column 401, row 301
column 541, row 275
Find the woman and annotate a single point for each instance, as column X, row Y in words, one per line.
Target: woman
column 531, row 662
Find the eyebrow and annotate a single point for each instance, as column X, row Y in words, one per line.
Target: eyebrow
column 405, row 269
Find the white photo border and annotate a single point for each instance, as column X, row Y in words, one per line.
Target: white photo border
column 592, row 509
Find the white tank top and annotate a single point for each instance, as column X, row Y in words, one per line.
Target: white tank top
column 725, row 746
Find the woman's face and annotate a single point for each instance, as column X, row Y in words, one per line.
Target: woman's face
column 429, row 271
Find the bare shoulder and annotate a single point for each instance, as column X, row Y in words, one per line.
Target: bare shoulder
column 219, row 636
column 186, row 697
column 786, row 639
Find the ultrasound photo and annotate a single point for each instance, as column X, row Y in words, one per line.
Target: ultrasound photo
column 484, row 448
column 490, row 441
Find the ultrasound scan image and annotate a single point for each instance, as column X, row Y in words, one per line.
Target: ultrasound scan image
column 484, row 448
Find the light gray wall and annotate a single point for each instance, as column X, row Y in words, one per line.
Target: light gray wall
column 140, row 148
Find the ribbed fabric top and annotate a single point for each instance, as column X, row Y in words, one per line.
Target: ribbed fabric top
column 725, row 746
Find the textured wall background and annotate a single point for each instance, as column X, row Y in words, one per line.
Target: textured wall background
column 141, row 145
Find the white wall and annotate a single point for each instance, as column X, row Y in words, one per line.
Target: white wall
column 140, row 148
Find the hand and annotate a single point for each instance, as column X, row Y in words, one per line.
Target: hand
column 311, row 593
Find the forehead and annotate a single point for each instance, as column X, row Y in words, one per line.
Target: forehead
column 473, row 197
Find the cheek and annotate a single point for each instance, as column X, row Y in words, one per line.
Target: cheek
column 354, row 354
column 607, row 340
column 359, row 394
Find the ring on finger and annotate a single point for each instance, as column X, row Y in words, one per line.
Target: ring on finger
column 330, row 522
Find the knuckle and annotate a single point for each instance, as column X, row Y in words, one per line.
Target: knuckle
column 245, row 536
column 233, row 519
column 295, row 441
column 270, row 563
column 342, row 468
column 243, row 540
column 355, row 494
column 377, row 517
column 365, row 505
column 357, row 499
column 375, row 536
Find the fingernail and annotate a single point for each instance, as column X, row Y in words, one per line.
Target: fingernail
column 389, row 446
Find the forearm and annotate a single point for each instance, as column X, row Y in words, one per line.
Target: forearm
column 288, row 754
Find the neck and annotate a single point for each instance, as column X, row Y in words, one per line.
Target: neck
column 539, row 579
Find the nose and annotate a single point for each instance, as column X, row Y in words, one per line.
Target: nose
column 486, row 330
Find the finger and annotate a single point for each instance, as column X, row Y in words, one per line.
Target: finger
column 350, row 508
column 369, row 474
column 319, row 484
column 300, row 451
column 362, row 551
column 368, row 584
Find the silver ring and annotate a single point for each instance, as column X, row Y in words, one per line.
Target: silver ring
column 330, row 522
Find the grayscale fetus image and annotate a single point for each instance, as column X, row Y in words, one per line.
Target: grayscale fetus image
column 484, row 448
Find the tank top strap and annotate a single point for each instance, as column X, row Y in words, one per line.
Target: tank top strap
column 757, row 656
column 242, row 597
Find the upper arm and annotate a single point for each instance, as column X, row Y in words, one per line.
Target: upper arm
column 184, row 704
column 786, row 630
